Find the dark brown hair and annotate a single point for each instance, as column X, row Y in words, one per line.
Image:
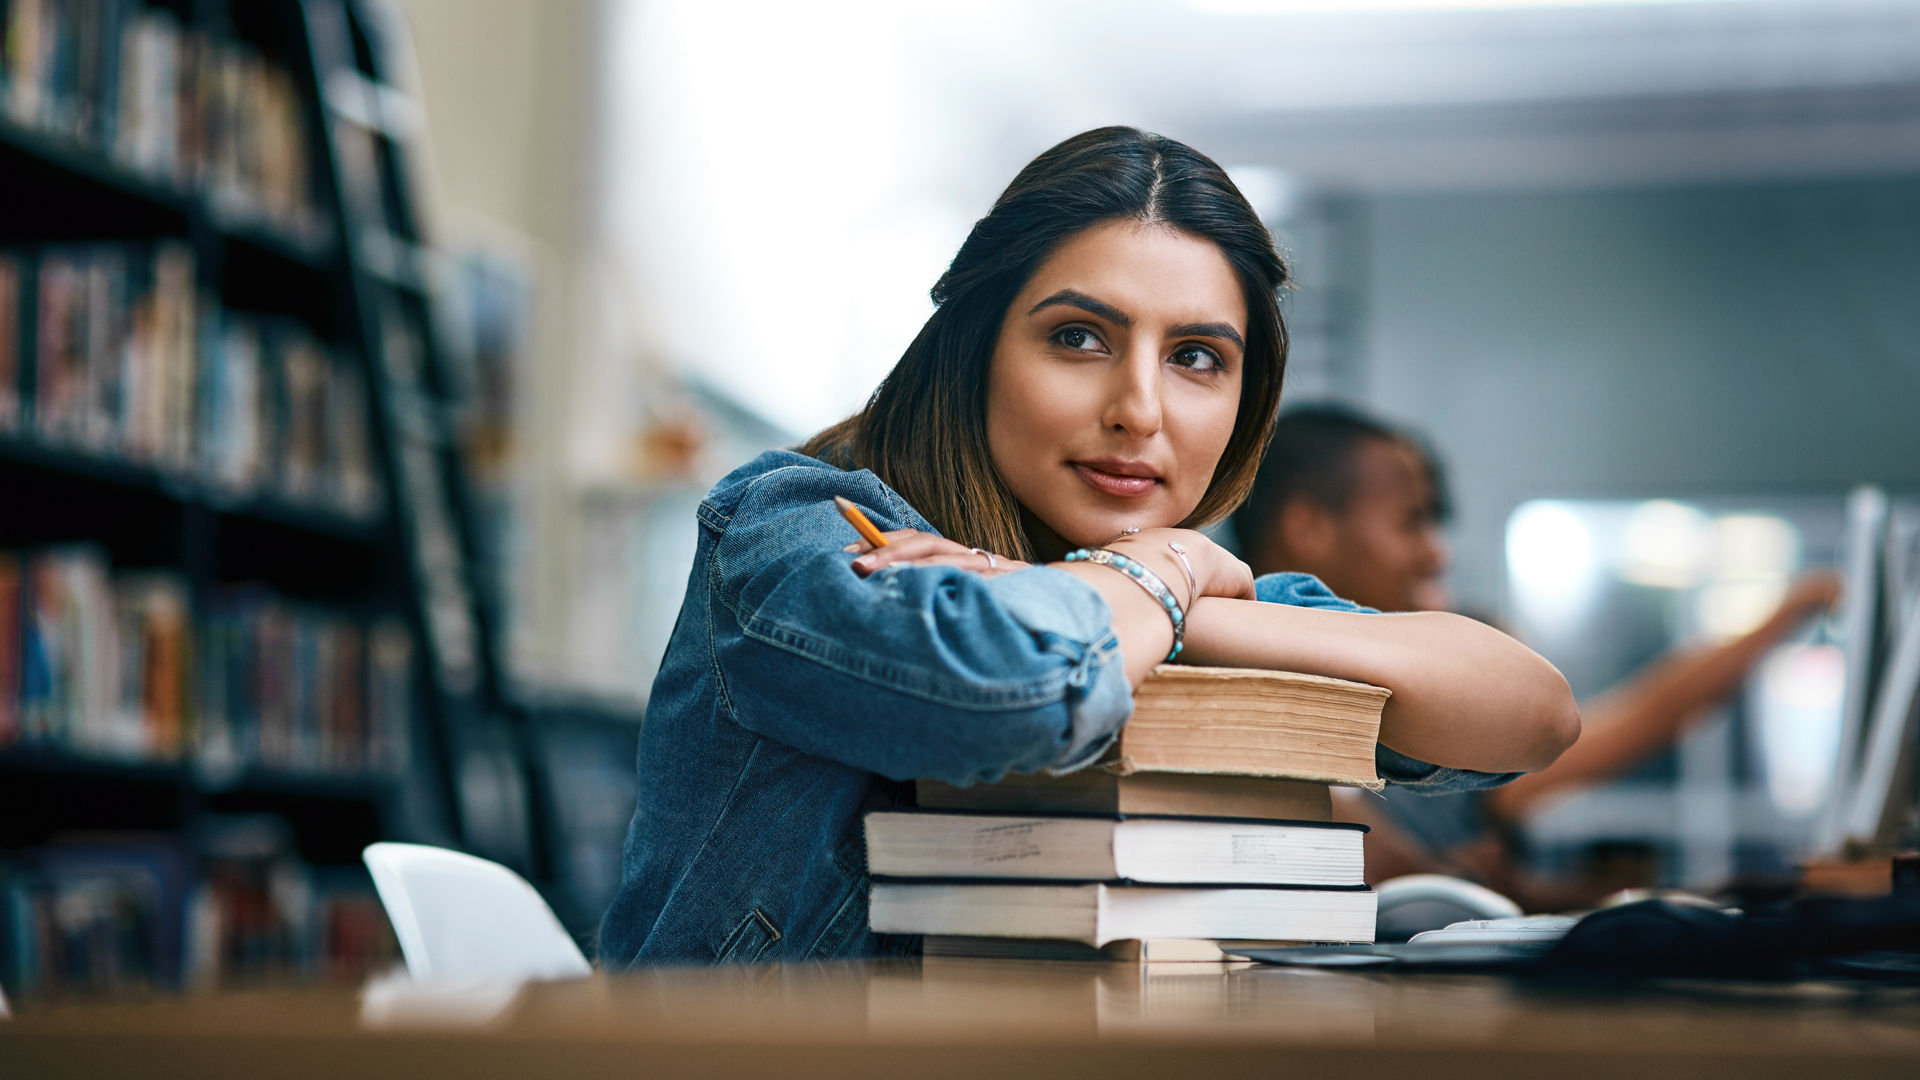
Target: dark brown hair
column 924, row 431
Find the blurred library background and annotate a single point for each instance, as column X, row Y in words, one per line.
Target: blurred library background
column 361, row 364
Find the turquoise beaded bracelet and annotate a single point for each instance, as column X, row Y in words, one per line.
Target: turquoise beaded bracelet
column 1147, row 580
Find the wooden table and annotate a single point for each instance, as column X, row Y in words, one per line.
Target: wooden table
column 987, row 1020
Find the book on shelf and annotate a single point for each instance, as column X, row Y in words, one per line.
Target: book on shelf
column 1146, row 850
column 12, row 587
column 1098, row 790
column 10, row 339
column 150, row 643
column 67, row 670
column 1248, row 722
column 1096, row 913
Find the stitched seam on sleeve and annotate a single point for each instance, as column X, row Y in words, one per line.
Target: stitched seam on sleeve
column 713, row 645
column 1046, row 690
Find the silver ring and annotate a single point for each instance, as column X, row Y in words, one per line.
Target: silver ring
column 991, row 563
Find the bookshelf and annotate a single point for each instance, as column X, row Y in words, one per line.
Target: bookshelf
column 241, row 631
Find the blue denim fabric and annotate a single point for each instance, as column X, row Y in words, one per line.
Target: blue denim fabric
column 796, row 697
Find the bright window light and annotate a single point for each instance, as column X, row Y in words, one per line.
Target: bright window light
column 1755, row 546
column 1549, row 551
column 1754, row 556
column 1667, row 545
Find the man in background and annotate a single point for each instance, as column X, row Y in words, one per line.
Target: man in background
column 1360, row 505
column 1353, row 502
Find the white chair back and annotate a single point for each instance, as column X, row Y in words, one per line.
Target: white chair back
column 461, row 918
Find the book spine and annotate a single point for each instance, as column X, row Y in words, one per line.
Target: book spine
column 12, row 646
column 12, row 339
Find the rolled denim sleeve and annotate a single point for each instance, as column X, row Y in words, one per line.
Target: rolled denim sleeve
column 913, row 671
column 1305, row 590
column 1063, row 612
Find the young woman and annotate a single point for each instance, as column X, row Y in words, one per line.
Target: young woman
column 1096, row 382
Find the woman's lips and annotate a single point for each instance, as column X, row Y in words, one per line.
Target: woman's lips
column 1126, row 487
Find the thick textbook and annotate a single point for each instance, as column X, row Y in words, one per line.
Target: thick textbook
column 1095, row 914
column 1157, row 850
column 1098, row 790
column 1247, row 722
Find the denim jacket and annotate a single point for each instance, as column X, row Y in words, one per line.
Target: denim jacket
column 795, row 697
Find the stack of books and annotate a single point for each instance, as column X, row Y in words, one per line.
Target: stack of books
column 1207, row 826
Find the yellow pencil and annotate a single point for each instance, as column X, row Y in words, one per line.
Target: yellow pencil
column 852, row 513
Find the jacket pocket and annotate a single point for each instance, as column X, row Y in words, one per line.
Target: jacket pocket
column 748, row 941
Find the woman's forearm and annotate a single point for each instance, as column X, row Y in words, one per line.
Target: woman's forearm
column 1139, row 622
column 1464, row 695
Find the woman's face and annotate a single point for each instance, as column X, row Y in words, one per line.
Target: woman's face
column 1115, row 382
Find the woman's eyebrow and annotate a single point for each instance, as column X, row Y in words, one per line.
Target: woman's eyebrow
column 1208, row 329
column 1078, row 299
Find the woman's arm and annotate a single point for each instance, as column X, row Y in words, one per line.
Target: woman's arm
column 906, row 671
column 1140, row 624
column 1465, row 696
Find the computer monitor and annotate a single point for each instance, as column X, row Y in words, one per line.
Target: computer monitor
column 1862, row 618
column 1874, row 791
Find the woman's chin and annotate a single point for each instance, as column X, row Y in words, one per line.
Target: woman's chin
column 1099, row 533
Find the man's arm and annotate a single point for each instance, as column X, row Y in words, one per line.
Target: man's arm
column 1649, row 711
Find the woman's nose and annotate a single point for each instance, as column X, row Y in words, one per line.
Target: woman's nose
column 1133, row 398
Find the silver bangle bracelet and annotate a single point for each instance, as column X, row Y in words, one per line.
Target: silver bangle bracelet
column 1147, row 580
column 1193, row 586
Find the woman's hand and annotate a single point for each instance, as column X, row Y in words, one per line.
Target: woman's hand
column 911, row 547
column 1216, row 572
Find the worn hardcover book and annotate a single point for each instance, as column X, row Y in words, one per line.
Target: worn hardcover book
column 1247, row 722
column 1097, row 913
column 1156, row 850
column 1098, row 790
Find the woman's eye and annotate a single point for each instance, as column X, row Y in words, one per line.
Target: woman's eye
column 1076, row 337
column 1198, row 358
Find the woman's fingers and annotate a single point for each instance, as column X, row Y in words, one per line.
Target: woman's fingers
column 911, row 547
column 967, row 560
column 906, row 546
column 893, row 537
